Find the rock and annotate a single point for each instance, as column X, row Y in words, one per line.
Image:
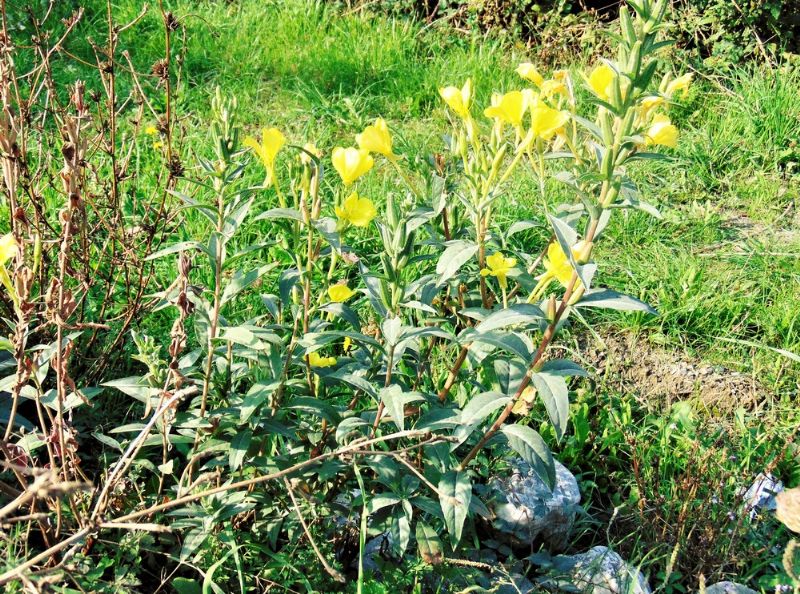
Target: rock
column 526, row 509
column 377, row 553
column 597, row 571
column 728, row 588
column 761, row 494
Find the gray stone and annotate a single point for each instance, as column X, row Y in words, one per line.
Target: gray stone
column 377, row 551
column 526, row 509
column 597, row 571
column 728, row 588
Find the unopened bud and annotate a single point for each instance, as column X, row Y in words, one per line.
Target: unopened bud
column 582, row 251
column 551, row 308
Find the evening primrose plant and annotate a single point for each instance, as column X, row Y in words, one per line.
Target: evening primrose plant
column 437, row 338
column 393, row 346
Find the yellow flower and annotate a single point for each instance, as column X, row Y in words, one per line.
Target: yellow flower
column 158, row 145
column 551, row 88
column 546, row 121
column 679, row 85
column 272, row 141
column 558, row 267
column 151, row 130
column 601, row 80
column 528, row 71
column 8, row 248
column 351, row 163
column 561, row 75
column 661, row 132
column 509, row 108
column 316, row 360
column 356, row 211
column 499, row 266
column 340, row 293
column 376, row 139
column 648, row 104
column 458, row 99
column 347, row 344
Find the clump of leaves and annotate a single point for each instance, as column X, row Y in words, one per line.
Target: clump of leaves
column 384, row 383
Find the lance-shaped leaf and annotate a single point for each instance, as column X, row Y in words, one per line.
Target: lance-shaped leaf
column 454, row 256
column 455, row 496
column 532, row 448
column 281, row 213
column 563, row 367
column 239, row 445
column 476, row 410
column 428, row 544
column 242, row 280
column 521, row 313
column 349, row 426
column 395, row 400
column 552, row 389
column 181, row 246
column 507, row 341
column 608, row 299
column 509, row 374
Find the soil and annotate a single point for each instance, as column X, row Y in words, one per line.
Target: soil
column 662, row 377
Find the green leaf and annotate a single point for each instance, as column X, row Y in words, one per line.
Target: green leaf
column 454, row 256
column 608, row 299
column 507, row 341
column 532, row 448
column 509, row 374
column 175, row 247
column 241, row 281
column 519, row 226
column 563, row 367
column 428, row 544
column 356, row 381
column 395, row 401
column 348, row 426
column 184, row 585
column 380, row 501
column 391, row 396
column 340, row 310
column 280, row 213
column 314, row 406
column 590, row 126
column 455, row 495
column 521, row 313
column 106, row 440
column 133, row 386
column 476, row 410
column 235, row 219
column 239, row 445
column 209, row 585
column 392, row 330
column 552, row 389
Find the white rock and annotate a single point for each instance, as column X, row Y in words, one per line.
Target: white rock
column 597, row 571
column 527, row 509
column 728, row 588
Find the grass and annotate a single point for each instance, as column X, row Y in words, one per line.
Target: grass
column 722, row 267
